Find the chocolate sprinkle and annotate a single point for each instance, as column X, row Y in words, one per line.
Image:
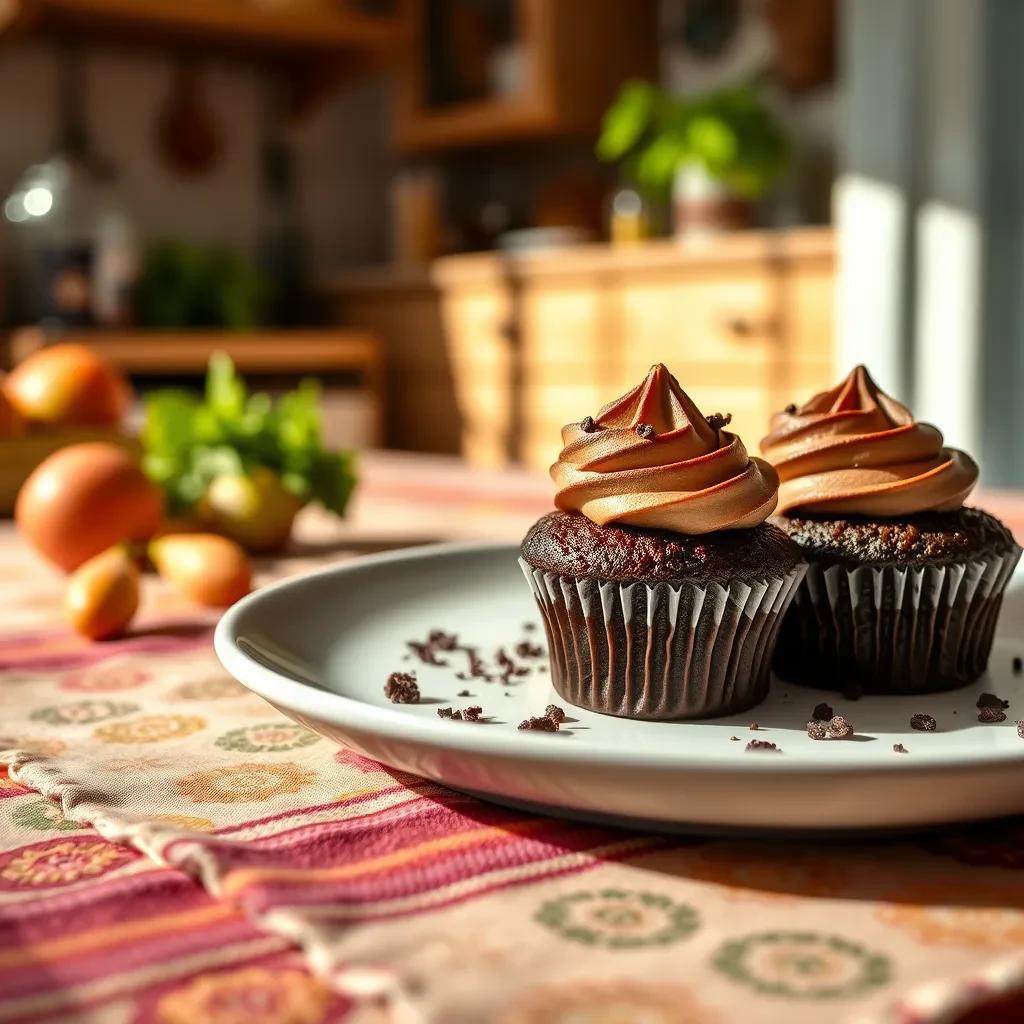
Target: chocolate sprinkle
column 839, row 728
column 922, row 723
column 822, row 713
column 539, row 725
column 555, row 713
column 764, row 745
column 898, row 748
column 791, row 408
column 717, row 420
column 644, row 430
column 401, row 688
column 587, row 425
column 816, row 729
column 990, row 714
column 990, row 700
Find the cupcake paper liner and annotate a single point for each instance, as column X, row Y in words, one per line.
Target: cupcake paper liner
column 918, row 629
column 667, row 651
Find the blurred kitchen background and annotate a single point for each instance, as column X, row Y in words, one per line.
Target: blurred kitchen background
column 476, row 220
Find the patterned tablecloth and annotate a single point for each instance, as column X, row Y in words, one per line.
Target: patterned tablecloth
column 173, row 851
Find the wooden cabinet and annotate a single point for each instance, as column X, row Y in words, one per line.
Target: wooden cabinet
column 511, row 70
column 504, row 350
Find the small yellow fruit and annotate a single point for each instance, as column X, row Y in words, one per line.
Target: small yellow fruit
column 206, row 567
column 103, row 594
column 257, row 510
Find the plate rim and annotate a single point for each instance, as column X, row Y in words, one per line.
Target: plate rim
column 309, row 699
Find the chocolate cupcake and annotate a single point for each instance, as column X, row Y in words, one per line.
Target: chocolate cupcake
column 660, row 583
column 904, row 584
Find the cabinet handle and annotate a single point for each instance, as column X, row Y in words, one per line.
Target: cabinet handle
column 741, row 326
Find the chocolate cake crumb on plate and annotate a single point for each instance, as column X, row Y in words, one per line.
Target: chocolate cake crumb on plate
column 898, row 748
column 923, row 723
column 817, row 730
column 1020, row 728
column 990, row 700
column 401, row 688
column 543, row 724
column 763, row 745
column 822, row 712
column 839, row 728
column 989, row 714
column 555, row 713
column 1018, row 665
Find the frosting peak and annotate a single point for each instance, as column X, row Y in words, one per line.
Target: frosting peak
column 855, row 450
column 651, row 458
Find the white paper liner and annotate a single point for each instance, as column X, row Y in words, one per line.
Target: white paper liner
column 917, row 629
column 666, row 651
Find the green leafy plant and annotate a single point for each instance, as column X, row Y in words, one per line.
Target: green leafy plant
column 184, row 285
column 730, row 133
column 189, row 440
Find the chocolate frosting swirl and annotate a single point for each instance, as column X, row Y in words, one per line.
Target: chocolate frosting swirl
column 856, row 451
column 650, row 458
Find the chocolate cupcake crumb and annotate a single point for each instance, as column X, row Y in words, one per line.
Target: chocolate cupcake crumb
column 528, row 650
column 442, row 641
column 544, row 724
column 645, row 430
column 839, row 728
column 790, row 409
column 753, row 727
column 472, row 714
column 817, row 730
column 898, row 748
column 822, row 712
column 990, row 700
column 463, row 693
column 736, row 738
column 401, row 688
column 555, row 713
column 1020, row 727
column 990, row 714
column 587, row 425
column 923, row 723
column 529, row 626
column 764, row 745
column 1018, row 665
column 717, row 420
column 426, row 653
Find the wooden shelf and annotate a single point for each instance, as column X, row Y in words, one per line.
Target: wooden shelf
column 575, row 56
column 267, row 27
column 156, row 353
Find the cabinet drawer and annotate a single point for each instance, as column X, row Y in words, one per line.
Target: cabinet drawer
column 707, row 322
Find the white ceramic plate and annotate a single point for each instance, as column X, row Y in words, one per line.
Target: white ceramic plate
column 320, row 648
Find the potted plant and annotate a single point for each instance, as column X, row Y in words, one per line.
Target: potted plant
column 713, row 154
